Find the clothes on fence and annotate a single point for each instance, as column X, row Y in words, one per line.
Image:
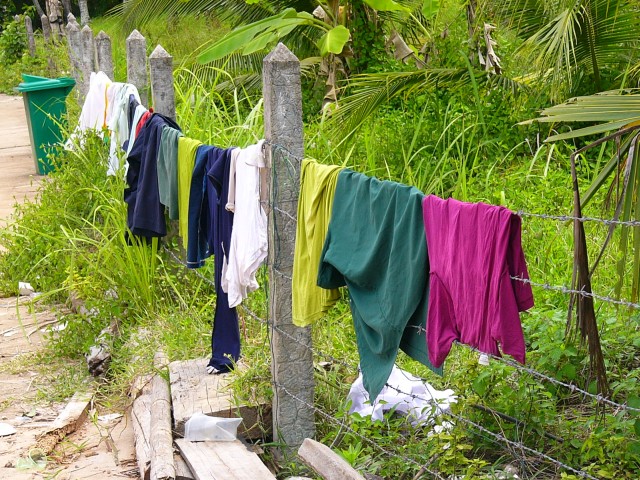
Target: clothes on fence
column 118, row 121
column 138, row 112
column 403, row 393
column 168, row 170
column 145, row 116
column 94, row 110
column 225, row 338
column 248, row 245
column 317, row 189
column 145, row 212
column 474, row 249
column 198, row 216
column 375, row 245
column 187, row 149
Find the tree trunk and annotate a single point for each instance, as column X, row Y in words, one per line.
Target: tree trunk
column 84, row 12
column 36, row 4
column 66, row 6
column 54, row 12
column 471, row 28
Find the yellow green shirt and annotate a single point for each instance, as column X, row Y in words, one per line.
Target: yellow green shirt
column 317, row 188
column 187, row 149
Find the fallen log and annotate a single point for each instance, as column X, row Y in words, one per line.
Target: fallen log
column 141, row 421
column 162, row 464
column 325, row 462
column 67, row 422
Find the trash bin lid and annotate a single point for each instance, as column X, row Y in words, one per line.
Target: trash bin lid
column 33, row 83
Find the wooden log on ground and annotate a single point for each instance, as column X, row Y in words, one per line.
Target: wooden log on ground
column 141, row 421
column 71, row 417
column 222, row 461
column 194, row 391
column 162, row 466
column 325, row 462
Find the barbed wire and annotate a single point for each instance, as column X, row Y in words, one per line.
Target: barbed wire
column 583, row 219
column 570, row 386
column 344, row 426
column 570, row 291
column 520, row 213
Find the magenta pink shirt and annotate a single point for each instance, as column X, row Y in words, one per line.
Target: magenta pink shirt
column 474, row 249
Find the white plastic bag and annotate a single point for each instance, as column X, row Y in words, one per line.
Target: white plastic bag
column 200, row 428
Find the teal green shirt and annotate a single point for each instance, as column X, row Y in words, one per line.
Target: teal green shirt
column 376, row 246
column 167, row 170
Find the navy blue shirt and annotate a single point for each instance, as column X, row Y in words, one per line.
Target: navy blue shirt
column 145, row 215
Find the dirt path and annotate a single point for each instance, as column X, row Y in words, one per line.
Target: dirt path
column 103, row 447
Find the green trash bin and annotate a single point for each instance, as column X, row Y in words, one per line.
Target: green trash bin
column 44, row 102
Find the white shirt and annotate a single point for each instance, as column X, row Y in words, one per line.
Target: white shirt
column 249, row 235
column 118, row 121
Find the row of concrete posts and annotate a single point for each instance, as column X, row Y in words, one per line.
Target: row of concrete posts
column 292, row 362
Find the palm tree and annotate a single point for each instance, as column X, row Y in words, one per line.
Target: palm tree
column 570, row 40
column 565, row 43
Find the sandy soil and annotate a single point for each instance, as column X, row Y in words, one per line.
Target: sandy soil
column 103, row 447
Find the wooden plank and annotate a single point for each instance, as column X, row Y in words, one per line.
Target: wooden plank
column 325, row 462
column 68, row 421
column 222, row 461
column 141, row 421
column 162, row 466
column 182, row 469
column 194, row 391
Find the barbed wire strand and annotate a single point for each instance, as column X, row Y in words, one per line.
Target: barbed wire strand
column 357, row 434
column 520, row 213
column 570, row 291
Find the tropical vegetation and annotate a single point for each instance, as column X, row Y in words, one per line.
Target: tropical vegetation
column 481, row 100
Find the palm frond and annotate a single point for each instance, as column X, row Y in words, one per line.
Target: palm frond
column 371, row 91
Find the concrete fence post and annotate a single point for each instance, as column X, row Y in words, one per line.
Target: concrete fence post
column 161, row 74
column 292, row 363
column 71, row 19
column 137, row 64
column 75, row 53
column 87, row 59
column 30, row 38
column 46, row 29
column 104, row 53
column 84, row 12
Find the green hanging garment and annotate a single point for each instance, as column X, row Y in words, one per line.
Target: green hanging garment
column 317, row 186
column 376, row 246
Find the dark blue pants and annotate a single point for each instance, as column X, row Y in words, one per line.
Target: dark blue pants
column 225, row 339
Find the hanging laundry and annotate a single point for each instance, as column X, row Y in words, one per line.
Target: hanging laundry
column 136, row 111
column 94, row 109
column 317, row 189
column 474, row 249
column 375, row 245
column 199, row 217
column 403, row 393
column 248, row 246
column 118, row 121
column 145, row 215
column 187, row 148
column 225, row 338
column 168, row 170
